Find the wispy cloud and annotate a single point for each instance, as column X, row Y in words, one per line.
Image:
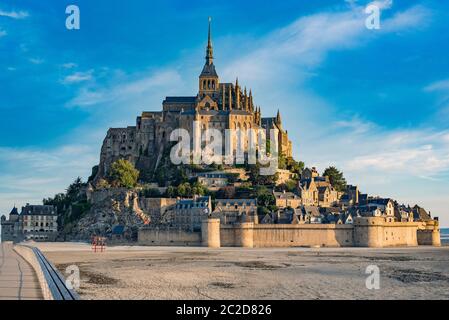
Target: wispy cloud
column 306, row 42
column 441, row 85
column 36, row 60
column 69, row 65
column 78, row 77
column 378, row 152
column 127, row 89
column 415, row 17
column 3, row 33
column 14, row 14
column 31, row 174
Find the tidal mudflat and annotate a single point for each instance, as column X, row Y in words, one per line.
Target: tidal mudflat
column 135, row 272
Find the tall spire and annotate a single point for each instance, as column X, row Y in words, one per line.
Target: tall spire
column 210, row 50
column 278, row 118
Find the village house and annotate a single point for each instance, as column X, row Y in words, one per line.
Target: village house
column 284, row 176
column 286, row 199
column 308, row 192
column 188, row 213
column 212, row 180
column 231, row 211
column 386, row 205
column 315, row 190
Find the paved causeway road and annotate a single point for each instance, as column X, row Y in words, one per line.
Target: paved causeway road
column 18, row 281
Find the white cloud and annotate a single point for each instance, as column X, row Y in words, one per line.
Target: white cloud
column 418, row 153
column 442, row 85
column 304, row 43
column 78, row 77
column 31, row 174
column 36, row 60
column 383, row 5
column 412, row 18
column 69, row 65
column 128, row 89
column 14, row 14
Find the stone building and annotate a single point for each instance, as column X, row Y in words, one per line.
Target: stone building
column 158, row 209
column 39, row 222
column 188, row 213
column 12, row 227
column 287, row 199
column 231, row 211
column 219, row 105
column 308, row 192
column 315, row 190
column 35, row 222
column 212, row 180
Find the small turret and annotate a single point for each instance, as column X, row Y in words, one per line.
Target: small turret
column 237, row 94
column 250, row 100
column 278, row 119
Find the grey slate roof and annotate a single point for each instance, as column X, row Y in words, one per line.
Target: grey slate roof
column 38, row 210
column 180, row 100
column 209, row 71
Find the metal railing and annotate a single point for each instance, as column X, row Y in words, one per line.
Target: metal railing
column 55, row 280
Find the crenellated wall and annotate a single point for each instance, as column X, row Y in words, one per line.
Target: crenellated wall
column 379, row 232
column 374, row 232
column 429, row 233
column 168, row 237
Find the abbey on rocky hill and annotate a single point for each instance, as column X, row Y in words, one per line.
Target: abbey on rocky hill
column 217, row 105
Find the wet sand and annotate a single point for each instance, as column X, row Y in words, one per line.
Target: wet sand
column 236, row 273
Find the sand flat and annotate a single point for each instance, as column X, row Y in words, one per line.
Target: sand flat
column 136, row 272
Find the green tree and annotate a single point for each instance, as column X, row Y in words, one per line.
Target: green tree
column 265, row 197
column 171, row 192
column 336, row 178
column 257, row 179
column 123, row 174
column 296, row 166
column 199, row 189
column 289, row 185
column 74, row 189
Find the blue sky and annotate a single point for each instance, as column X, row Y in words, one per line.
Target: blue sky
column 375, row 103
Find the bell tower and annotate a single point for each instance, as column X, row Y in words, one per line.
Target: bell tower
column 208, row 80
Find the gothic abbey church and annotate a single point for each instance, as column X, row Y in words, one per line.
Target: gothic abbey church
column 217, row 105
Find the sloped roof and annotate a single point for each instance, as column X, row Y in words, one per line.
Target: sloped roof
column 180, row 100
column 312, row 210
column 39, row 210
column 209, row 71
column 285, row 195
column 420, row 214
column 239, row 202
column 381, row 201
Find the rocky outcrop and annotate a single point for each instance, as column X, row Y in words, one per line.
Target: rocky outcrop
column 110, row 208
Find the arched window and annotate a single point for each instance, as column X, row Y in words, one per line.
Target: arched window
column 204, row 84
column 208, row 84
